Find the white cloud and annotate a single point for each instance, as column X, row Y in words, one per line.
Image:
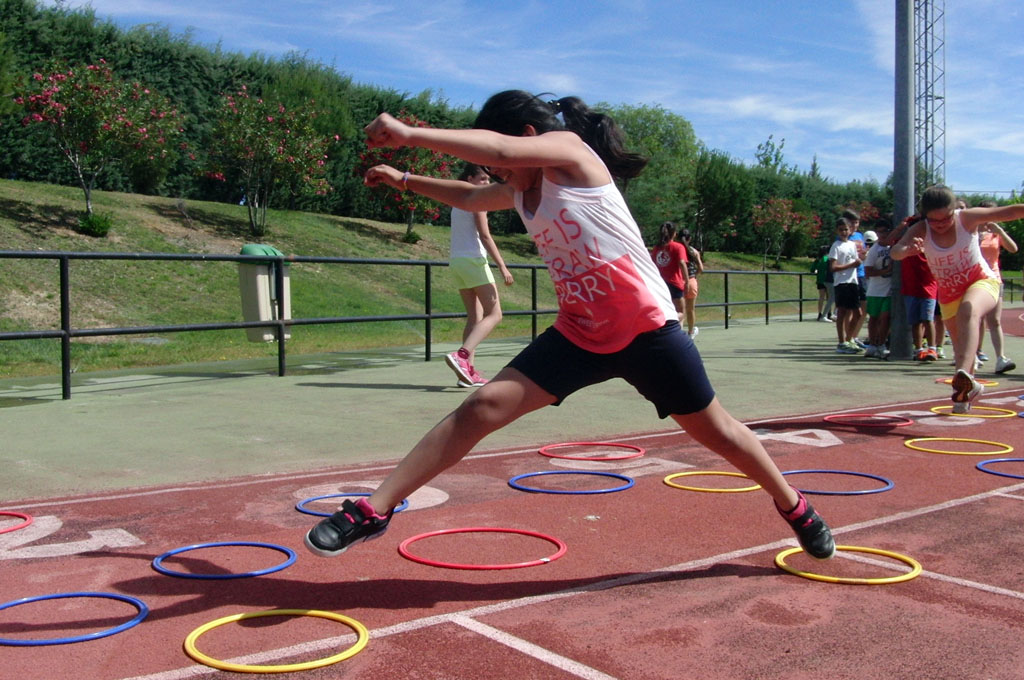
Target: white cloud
column 879, row 20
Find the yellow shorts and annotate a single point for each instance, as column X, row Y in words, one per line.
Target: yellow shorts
column 990, row 286
column 470, row 272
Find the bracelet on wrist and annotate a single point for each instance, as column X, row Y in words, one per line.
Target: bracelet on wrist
column 405, row 180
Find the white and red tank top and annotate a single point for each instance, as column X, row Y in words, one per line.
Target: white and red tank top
column 609, row 290
column 957, row 267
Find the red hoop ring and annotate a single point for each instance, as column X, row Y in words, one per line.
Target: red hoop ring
column 403, row 549
column 837, row 419
column 20, row 515
column 546, row 451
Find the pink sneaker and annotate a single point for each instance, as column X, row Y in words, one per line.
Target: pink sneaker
column 459, row 362
column 478, row 380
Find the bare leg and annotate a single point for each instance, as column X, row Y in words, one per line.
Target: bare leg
column 716, row 429
column 691, row 314
column 964, row 329
column 505, row 398
column 842, row 323
column 995, row 327
column 483, row 313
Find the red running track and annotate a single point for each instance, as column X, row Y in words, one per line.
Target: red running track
column 656, row 583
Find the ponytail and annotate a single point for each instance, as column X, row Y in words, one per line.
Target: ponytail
column 602, row 134
column 667, row 234
column 509, row 112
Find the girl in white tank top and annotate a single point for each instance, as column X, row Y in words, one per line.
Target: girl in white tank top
column 555, row 162
column 968, row 288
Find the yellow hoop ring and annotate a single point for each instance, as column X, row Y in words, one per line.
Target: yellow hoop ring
column 910, row 444
column 915, row 567
column 981, row 381
column 1003, row 412
column 668, row 480
column 362, row 636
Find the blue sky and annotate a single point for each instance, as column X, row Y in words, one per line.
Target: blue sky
column 818, row 75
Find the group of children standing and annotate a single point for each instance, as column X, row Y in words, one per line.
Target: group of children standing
column 949, row 282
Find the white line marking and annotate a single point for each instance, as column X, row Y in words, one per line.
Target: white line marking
column 955, row 580
column 530, row 649
column 926, row 510
column 272, row 478
column 639, row 577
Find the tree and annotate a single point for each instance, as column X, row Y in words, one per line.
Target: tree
column 724, row 192
column 265, row 147
column 664, row 190
column 404, row 205
column 777, row 222
column 6, row 77
column 865, row 210
column 97, row 121
column 769, row 156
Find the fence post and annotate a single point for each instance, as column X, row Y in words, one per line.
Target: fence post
column 767, row 297
column 533, row 302
column 65, row 327
column 279, row 287
column 800, row 294
column 725, row 286
column 428, row 327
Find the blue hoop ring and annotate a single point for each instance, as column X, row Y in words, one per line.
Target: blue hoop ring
column 138, row 604
column 301, row 505
column 158, row 562
column 888, row 483
column 515, row 485
column 982, row 466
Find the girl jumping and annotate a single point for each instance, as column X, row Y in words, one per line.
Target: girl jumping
column 968, row 287
column 615, row 316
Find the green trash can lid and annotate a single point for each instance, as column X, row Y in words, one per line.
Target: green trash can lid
column 260, row 249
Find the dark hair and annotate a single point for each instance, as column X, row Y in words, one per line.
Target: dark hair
column 509, row 112
column 843, row 222
column 667, row 233
column 988, row 204
column 470, row 170
column 938, row 197
column 851, row 214
column 685, row 235
column 883, row 223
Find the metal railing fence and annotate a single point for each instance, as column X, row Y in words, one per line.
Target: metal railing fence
column 65, row 332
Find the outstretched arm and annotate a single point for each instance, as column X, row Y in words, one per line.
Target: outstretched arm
column 470, row 197
column 560, row 153
column 972, row 218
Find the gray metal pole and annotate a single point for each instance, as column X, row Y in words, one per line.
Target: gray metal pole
column 903, row 163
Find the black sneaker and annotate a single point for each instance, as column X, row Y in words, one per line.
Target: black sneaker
column 814, row 535
column 354, row 523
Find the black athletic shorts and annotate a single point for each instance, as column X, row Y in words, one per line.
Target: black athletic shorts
column 663, row 365
column 847, row 296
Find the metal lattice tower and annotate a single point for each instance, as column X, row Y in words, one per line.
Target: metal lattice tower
column 930, row 90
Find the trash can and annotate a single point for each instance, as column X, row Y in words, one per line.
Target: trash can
column 259, row 291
